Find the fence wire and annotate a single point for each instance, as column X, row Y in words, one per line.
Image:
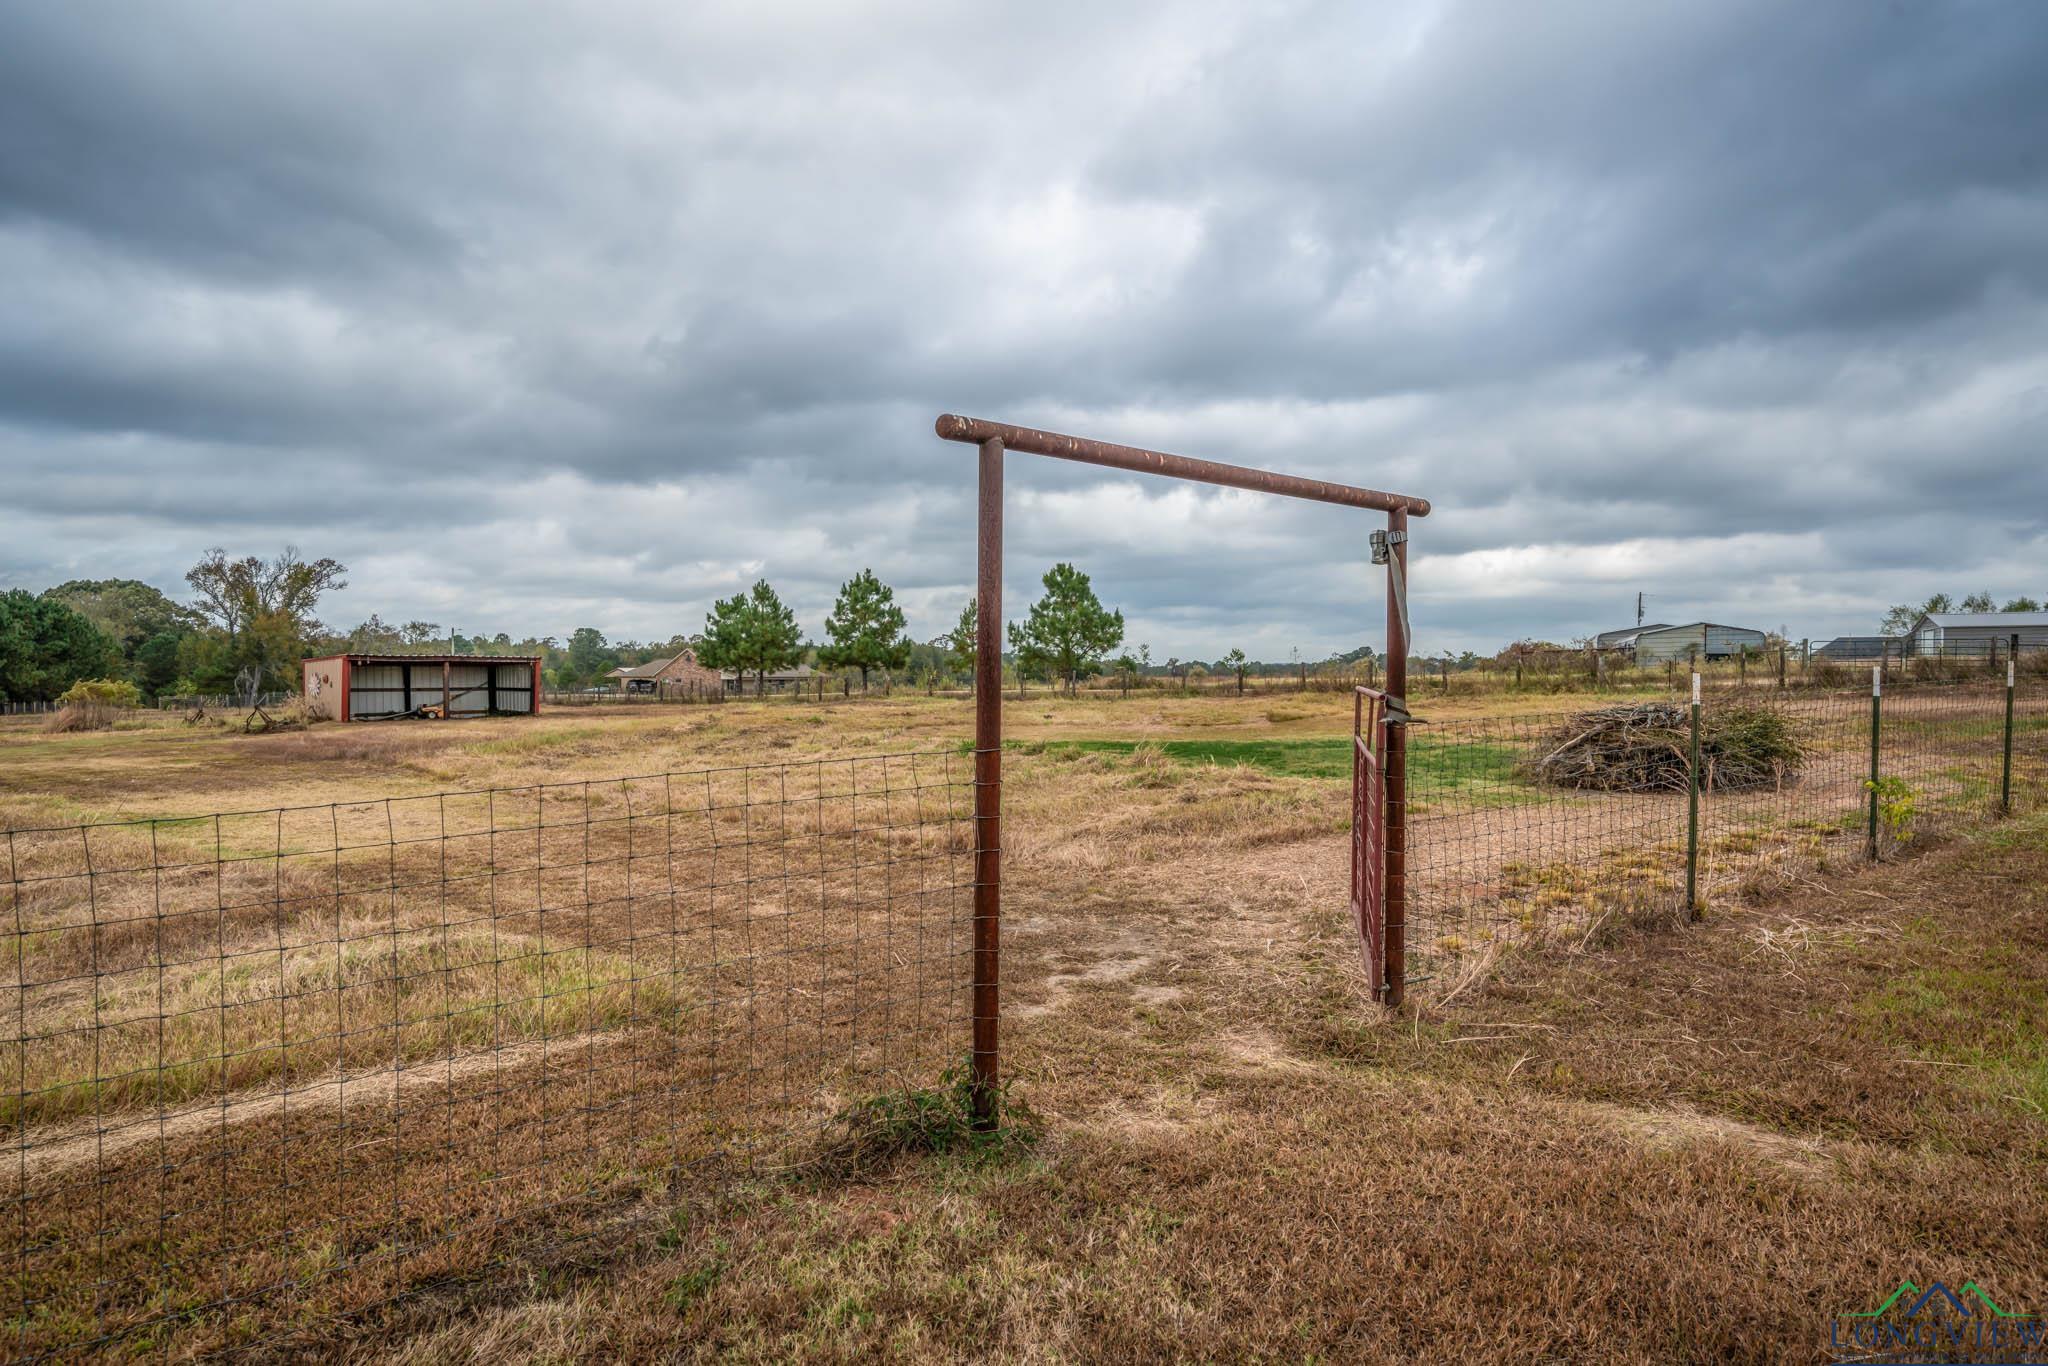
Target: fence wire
column 337, row 1052
column 1497, row 855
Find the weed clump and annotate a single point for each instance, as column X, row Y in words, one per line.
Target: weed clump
column 872, row 1132
column 1645, row 747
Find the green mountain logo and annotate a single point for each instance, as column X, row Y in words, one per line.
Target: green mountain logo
column 1959, row 1301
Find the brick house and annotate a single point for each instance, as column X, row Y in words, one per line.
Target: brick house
column 681, row 673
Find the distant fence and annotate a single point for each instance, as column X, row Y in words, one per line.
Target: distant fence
column 665, row 694
column 1497, row 855
column 217, row 701
column 337, row 1052
column 220, row 701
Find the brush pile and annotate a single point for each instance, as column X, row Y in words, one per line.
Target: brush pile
column 1643, row 748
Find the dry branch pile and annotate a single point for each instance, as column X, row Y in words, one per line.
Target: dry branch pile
column 1643, row 748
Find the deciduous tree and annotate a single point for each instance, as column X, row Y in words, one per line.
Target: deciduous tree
column 1901, row 617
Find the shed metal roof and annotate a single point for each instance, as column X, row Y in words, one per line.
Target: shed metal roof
column 1950, row 620
column 405, row 657
column 1696, row 625
column 1608, row 640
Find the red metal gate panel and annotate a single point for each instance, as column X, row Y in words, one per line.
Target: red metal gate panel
column 1369, row 834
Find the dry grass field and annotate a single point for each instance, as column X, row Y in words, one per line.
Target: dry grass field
column 1635, row 1141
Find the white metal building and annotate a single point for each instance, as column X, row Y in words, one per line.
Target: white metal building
column 1701, row 640
column 1976, row 632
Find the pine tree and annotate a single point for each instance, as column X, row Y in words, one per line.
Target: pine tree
column 960, row 641
column 865, row 628
column 1068, row 630
column 1235, row 662
column 751, row 632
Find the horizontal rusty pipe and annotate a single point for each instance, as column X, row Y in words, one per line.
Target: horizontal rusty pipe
column 975, row 431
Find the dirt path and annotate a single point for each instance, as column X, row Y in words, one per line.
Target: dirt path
column 47, row 1154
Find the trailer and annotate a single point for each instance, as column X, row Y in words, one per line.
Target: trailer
column 374, row 687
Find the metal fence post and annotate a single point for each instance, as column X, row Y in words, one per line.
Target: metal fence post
column 2005, row 781
column 988, row 784
column 1692, row 811
column 1396, row 759
column 1876, row 728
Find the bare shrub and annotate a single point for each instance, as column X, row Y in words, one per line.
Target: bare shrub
column 81, row 716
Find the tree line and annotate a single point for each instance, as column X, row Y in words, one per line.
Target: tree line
column 1064, row 635
column 250, row 618
column 254, row 619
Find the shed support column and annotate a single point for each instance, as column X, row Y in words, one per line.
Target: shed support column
column 988, row 781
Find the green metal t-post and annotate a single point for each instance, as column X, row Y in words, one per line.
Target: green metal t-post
column 1692, row 812
column 2005, row 782
column 1876, row 726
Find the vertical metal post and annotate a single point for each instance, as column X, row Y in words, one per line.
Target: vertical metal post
column 988, row 782
column 2011, row 678
column 1876, row 727
column 1692, row 811
column 1397, row 759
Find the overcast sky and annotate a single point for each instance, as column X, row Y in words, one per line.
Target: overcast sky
column 540, row 317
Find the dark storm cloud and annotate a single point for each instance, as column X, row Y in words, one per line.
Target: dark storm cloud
column 1740, row 305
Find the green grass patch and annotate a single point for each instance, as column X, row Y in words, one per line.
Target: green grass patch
column 1468, row 769
column 1988, row 1018
column 932, row 1120
column 539, row 741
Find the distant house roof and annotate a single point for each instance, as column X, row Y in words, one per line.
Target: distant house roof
column 647, row 670
column 651, row 669
column 1855, row 647
column 1995, row 620
column 1617, row 640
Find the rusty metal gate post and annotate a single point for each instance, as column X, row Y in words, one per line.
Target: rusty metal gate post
column 988, row 782
column 1397, row 757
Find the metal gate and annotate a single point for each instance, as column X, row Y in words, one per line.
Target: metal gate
column 1369, row 833
column 1385, row 864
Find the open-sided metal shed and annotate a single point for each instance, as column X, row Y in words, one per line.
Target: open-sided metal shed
column 1700, row 640
column 370, row 687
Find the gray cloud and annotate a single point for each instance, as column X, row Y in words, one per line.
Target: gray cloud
column 1738, row 305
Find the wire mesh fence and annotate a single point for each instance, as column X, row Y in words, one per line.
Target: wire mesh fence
column 336, row 1052
column 1499, row 853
